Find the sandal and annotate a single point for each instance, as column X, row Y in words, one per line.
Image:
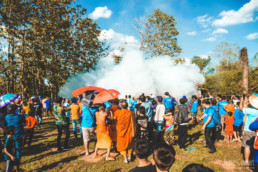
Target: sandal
column 97, row 156
column 110, row 159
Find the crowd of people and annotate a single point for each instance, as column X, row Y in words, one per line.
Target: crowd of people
column 133, row 124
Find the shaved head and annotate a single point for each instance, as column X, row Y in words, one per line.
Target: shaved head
column 124, row 104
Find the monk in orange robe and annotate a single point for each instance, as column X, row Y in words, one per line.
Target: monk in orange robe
column 126, row 128
column 112, row 127
column 103, row 139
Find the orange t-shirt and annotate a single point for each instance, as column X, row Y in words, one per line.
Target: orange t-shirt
column 75, row 111
column 31, row 122
column 230, row 122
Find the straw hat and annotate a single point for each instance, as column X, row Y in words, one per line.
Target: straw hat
column 253, row 99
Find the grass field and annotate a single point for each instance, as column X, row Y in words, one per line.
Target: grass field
column 42, row 156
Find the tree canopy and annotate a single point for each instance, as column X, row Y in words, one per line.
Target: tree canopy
column 47, row 41
column 157, row 34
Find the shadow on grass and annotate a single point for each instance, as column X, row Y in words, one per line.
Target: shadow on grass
column 56, row 164
column 193, row 137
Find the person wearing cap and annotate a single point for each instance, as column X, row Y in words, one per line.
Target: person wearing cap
column 251, row 114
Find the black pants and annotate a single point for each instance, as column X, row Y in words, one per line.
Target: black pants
column 60, row 129
column 210, row 136
column 182, row 135
column 28, row 132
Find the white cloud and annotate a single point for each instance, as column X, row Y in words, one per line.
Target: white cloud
column 118, row 40
column 244, row 15
column 100, row 12
column 204, row 21
column 252, row 36
column 211, row 39
column 204, row 56
column 193, row 33
column 220, row 31
column 206, row 30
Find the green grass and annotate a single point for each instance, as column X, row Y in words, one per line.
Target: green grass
column 41, row 156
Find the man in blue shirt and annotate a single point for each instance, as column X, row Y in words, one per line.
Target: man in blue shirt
column 48, row 104
column 88, row 125
column 209, row 126
column 238, row 122
column 222, row 111
column 194, row 108
column 16, row 120
column 168, row 101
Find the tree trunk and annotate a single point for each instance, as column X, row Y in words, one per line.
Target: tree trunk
column 245, row 67
column 13, row 74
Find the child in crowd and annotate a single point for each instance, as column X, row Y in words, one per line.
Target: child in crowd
column 142, row 123
column 238, row 123
column 31, row 121
column 164, row 157
column 169, row 132
column 9, row 149
column 141, row 149
column 25, row 108
column 229, row 126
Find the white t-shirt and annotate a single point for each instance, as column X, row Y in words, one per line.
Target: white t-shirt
column 160, row 111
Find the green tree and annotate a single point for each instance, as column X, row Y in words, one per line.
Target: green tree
column 48, row 41
column 226, row 53
column 160, row 35
column 201, row 62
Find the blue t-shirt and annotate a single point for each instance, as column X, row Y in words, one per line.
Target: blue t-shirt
column 134, row 103
column 239, row 118
column 194, row 107
column 148, row 110
column 48, row 104
column 220, row 107
column 87, row 120
column 17, row 121
column 252, row 114
column 108, row 104
column 129, row 101
column 207, row 113
column 168, row 102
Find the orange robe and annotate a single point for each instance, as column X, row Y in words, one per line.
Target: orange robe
column 103, row 138
column 112, row 127
column 125, row 128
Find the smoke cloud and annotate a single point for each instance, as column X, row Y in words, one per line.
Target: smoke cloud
column 135, row 75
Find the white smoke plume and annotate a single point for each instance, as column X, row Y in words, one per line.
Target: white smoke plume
column 135, row 75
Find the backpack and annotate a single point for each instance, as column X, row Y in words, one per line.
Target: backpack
column 216, row 116
column 180, row 118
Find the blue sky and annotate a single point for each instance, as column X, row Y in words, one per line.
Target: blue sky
column 202, row 24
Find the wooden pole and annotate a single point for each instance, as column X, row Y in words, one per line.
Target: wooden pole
column 245, row 67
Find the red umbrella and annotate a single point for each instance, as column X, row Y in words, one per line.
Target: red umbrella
column 105, row 95
column 82, row 90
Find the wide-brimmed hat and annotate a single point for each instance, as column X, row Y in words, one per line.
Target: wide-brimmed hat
column 253, row 99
